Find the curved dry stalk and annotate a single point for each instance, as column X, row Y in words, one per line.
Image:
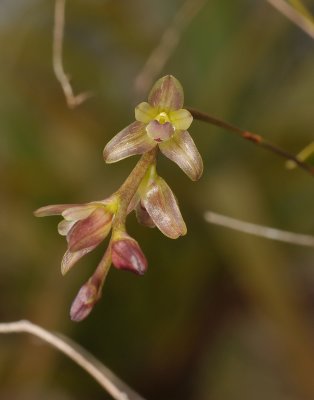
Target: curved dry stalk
column 111, row 383
column 294, row 16
column 259, row 230
column 252, row 137
column 302, row 9
column 57, row 60
column 168, row 42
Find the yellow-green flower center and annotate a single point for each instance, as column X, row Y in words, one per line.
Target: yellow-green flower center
column 162, row 118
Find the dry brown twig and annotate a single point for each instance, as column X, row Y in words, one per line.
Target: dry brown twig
column 111, row 383
column 302, row 8
column 258, row 140
column 259, row 230
column 57, row 59
column 294, row 16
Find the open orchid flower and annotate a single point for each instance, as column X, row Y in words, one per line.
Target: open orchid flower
column 160, row 122
column 156, row 205
column 84, row 225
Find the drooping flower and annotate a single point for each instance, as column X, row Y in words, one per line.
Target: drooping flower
column 85, row 226
column 161, row 121
column 156, row 205
column 126, row 254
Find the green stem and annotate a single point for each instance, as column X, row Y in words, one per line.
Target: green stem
column 252, row 137
column 130, row 186
column 100, row 274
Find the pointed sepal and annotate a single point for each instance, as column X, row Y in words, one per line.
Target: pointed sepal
column 166, row 94
column 181, row 149
column 91, row 231
column 55, row 209
column 70, row 258
column 130, row 141
column 162, row 206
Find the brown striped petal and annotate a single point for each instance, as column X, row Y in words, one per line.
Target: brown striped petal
column 166, row 94
column 163, row 209
column 71, row 258
column 55, row 209
column 181, row 149
column 130, row 141
column 91, row 231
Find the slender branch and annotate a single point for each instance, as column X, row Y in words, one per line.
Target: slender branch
column 111, row 383
column 302, row 155
column 294, row 16
column 57, row 60
column 167, row 44
column 259, row 230
column 252, row 137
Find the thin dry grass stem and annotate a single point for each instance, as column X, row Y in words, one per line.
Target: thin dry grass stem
column 259, row 230
column 252, row 137
column 111, row 383
column 57, row 59
column 302, row 8
column 298, row 18
column 167, row 44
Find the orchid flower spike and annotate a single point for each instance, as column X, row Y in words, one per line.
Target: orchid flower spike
column 160, row 122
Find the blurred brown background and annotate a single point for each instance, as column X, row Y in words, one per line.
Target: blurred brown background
column 219, row 315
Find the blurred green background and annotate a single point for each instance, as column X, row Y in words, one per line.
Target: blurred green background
column 219, row 315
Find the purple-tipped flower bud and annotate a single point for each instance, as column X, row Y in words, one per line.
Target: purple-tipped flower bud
column 127, row 254
column 85, row 300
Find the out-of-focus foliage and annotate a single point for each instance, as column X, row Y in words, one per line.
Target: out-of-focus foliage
column 218, row 315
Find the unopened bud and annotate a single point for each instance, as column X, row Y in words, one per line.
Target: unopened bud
column 127, row 254
column 84, row 302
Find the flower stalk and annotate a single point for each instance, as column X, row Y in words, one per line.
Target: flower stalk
column 128, row 189
column 91, row 291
